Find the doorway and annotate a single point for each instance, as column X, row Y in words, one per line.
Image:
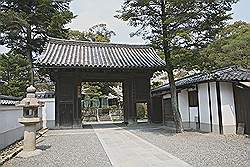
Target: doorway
column 242, row 105
column 101, row 102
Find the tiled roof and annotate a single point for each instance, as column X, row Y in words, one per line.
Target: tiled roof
column 71, row 53
column 232, row 73
column 46, row 94
column 9, row 100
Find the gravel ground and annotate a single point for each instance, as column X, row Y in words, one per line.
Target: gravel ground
column 79, row 147
column 199, row 149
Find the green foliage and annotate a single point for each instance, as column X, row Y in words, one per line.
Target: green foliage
column 231, row 47
column 77, row 35
column 97, row 33
column 141, row 111
column 100, row 33
column 25, row 24
column 177, row 26
column 91, row 89
column 97, row 89
column 14, row 69
column 156, row 84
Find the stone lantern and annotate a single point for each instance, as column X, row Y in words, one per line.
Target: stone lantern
column 30, row 119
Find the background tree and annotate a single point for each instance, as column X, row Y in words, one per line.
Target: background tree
column 14, row 69
column 97, row 33
column 177, row 28
column 25, row 24
column 231, row 47
column 100, row 33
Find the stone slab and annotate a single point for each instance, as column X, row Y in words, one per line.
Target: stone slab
column 126, row 149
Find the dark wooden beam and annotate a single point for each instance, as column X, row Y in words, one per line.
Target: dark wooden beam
column 219, row 107
column 210, row 106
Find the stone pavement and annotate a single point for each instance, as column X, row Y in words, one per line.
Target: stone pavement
column 126, row 149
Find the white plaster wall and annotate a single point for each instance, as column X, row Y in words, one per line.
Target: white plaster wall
column 166, row 96
column 203, row 103
column 9, row 118
column 227, row 104
column 214, row 104
column 48, row 111
column 193, row 113
column 183, row 105
column 10, row 129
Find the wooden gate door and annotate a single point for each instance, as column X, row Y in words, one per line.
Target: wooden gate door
column 66, row 114
column 168, row 117
column 242, row 105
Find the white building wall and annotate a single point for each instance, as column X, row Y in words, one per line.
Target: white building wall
column 183, row 105
column 188, row 114
column 203, row 98
column 48, row 112
column 227, row 107
column 193, row 114
column 214, row 107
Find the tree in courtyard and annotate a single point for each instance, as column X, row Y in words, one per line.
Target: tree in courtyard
column 14, row 69
column 231, row 47
column 177, row 28
column 25, row 24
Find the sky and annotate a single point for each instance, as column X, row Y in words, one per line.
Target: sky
column 92, row 12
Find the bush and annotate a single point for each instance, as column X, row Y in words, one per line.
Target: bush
column 141, row 109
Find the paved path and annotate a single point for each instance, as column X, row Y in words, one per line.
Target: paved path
column 126, row 149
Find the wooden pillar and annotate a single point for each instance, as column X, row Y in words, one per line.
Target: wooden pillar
column 125, row 100
column 149, row 99
column 129, row 101
column 77, row 104
column 56, row 103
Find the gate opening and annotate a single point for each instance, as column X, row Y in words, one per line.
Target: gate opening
column 142, row 112
column 101, row 102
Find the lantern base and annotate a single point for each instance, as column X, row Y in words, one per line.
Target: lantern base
column 27, row 154
column 29, row 121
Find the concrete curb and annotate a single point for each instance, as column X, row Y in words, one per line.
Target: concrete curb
column 40, row 133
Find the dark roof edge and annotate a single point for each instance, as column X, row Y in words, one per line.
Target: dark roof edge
column 97, row 67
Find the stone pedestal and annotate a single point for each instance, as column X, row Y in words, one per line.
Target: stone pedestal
column 29, row 143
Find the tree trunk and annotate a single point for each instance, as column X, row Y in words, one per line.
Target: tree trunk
column 169, row 67
column 174, row 103
column 29, row 55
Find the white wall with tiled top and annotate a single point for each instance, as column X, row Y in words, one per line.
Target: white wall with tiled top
column 227, row 105
column 10, row 129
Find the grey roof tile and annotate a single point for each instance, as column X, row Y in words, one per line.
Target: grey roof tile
column 232, row 73
column 71, row 53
